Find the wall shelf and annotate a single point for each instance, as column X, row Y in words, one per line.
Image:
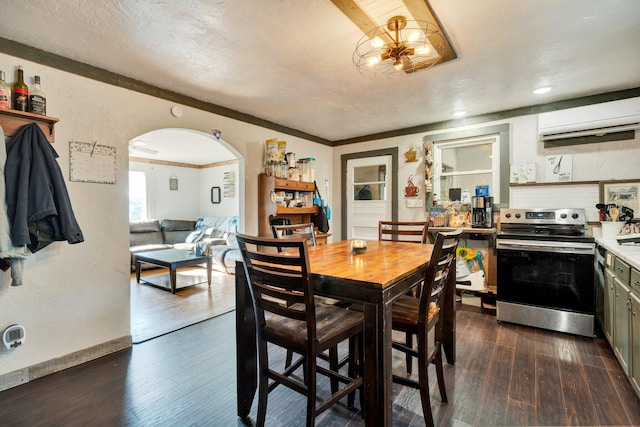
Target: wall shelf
column 12, row 120
column 541, row 184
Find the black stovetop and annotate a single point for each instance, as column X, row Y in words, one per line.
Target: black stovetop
column 546, row 234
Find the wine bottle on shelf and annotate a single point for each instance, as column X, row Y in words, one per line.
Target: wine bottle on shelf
column 5, row 92
column 20, row 92
column 37, row 98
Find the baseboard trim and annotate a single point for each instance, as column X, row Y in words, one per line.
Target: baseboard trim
column 48, row 367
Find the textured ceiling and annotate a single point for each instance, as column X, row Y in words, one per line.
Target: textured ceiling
column 290, row 61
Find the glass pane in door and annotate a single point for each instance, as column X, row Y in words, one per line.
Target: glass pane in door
column 369, row 182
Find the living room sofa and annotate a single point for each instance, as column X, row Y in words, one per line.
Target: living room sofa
column 216, row 236
column 154, row 235
column 219, row 241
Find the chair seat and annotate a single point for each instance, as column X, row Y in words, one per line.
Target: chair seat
column 333, row 325
column 405, row 313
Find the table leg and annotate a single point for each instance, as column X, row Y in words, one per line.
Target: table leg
column 138, row 267
column 172, row 278
column 246, row 352
column 378, row 385
column 209, row 270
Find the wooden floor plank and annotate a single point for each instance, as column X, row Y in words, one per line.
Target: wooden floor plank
column 519, row 414
column 628, row 398
column 576, row 392
column 155, row 311
column 491, row 412
column 188, row 378
column 522, row 386
column 606, row 398
column 550, row 406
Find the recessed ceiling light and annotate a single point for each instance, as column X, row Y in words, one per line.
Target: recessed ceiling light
column 541, row 90
column 459, row 113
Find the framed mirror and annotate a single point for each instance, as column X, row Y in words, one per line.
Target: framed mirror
column 215, row 195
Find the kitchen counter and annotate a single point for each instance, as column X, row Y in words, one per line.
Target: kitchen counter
column 628, row 253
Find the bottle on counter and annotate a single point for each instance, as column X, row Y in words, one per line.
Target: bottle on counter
column 20, row 92
column 5, row 92
column 37, row 98
column 466, row 197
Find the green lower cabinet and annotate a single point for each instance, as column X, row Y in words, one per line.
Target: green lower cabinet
column 635, row 342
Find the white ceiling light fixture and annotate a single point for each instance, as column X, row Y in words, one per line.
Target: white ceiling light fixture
column 541, row 90
column 459, row 113
column 399, row 48
column 140, row 146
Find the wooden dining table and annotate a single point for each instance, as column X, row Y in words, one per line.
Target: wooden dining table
column 375, row 278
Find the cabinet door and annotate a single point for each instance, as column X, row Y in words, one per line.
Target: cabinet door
column 609, row 300
column 621, row 341
column 635, row 342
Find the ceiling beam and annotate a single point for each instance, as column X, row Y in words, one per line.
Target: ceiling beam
column 360, row 17
column 421, row 11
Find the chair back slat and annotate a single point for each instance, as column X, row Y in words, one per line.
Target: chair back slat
column 279, row 280
column 437, row 275
column 404, row 231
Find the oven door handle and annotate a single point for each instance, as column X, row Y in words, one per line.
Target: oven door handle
column 564, row 247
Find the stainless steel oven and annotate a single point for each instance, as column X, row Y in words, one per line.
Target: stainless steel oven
column 545, row 270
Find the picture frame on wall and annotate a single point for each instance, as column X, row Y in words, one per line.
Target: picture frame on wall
column 215, row 195
column 621, row 193
column 173, row 184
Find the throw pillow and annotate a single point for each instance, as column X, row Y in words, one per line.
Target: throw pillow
column 194, row 236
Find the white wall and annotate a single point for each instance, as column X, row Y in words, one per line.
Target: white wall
column 213, row 177
column 77, row 296
column 591, row 162
column 163, row 203
column 193, row 197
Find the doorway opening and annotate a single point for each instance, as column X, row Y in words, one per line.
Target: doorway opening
column 174, row 171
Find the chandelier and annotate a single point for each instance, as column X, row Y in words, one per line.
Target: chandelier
column 399, row 49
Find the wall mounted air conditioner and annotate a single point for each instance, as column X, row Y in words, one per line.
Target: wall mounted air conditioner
column 595, row 120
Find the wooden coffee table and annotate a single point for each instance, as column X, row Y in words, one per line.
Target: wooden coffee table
column 171, row 259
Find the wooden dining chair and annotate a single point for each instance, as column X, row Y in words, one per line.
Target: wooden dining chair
column 307, row 231
column 422, row 317
column 287, row 315
column 404, row 231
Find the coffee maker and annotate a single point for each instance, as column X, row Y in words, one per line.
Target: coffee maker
column 482, row 212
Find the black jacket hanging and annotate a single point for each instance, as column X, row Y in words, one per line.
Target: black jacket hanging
column 38, row 204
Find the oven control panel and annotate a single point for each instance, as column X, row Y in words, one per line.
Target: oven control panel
column 568, row 216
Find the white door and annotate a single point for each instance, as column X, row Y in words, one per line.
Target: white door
column 369, row 189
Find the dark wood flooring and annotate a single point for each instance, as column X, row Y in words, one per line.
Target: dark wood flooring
column 504, row 375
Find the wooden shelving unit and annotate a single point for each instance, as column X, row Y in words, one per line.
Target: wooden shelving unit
column 268, row 209
column 12, row 120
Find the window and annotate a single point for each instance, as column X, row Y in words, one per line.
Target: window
column 475, row 138
column 369, row 182
column 137, row 196
column 466, row 164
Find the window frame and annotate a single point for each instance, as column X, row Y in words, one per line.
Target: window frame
column 439, row 147
column 504, row 131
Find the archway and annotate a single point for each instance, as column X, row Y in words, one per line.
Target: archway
column 181, row 166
